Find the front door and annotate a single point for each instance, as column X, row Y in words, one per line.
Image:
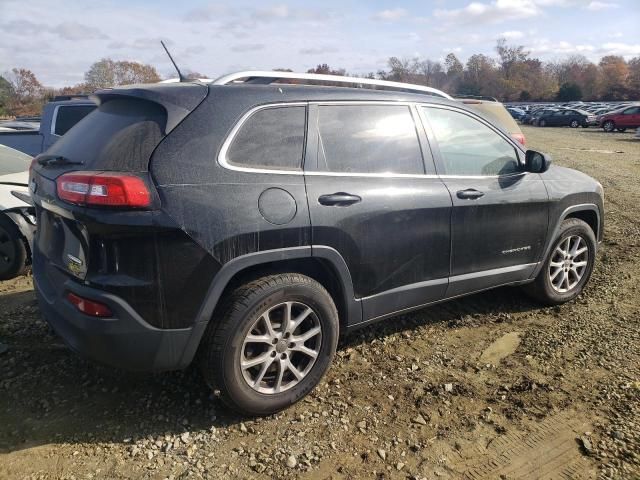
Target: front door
column 500, row 213
column 371, row 200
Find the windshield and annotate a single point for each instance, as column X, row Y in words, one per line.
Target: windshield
column 13, row 161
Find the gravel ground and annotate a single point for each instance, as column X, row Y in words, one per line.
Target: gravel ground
column 490, row 386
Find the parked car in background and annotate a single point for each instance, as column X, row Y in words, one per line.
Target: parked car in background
column 620, row 120
column 516, row 113
column 497, row 112
column 533, row 117
column 251, row 242
column 17, row 216
column 58, row 116
column 566, row 118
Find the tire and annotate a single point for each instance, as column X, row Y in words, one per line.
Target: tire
column 13, row 250
column 621, row 129
column 544, row 287
column 609, row 126
column 225, row 344
column 574, row 124
column 542, row 123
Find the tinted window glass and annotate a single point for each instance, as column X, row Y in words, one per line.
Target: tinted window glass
column 468, row 147
column 68, row 116
column 271, row 138
column 631, row 111
column 368, row 139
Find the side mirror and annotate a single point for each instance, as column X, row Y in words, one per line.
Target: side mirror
column 536, row 162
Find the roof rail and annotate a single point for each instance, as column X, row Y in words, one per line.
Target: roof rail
column 267, row 77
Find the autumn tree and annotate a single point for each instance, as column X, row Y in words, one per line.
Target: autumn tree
column 568, row 92
column 325, row 69
column 614, row 72
column 109, row 73
column 27, row 93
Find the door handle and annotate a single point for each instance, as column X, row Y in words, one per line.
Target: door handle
column 339, row 199
column 469, row 194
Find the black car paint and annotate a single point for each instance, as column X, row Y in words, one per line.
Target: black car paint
column 409, row 242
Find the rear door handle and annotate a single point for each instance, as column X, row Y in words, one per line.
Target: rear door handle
column 469, row 194
column 339, row 199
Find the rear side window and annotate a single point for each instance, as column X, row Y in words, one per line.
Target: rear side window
column 368, row 139
column 68, row 115
column 468, row 147
column 271, row 138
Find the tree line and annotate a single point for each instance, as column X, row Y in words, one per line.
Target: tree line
column 512, row 75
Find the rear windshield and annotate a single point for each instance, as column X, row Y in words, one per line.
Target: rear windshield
column 13, row 161
column 118, row 135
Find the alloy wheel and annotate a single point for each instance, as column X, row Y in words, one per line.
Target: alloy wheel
column 281, row 347
column 568, row 263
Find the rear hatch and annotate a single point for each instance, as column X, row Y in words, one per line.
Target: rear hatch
column 92, row 243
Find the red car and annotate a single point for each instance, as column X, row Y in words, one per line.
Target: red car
column 628, row 117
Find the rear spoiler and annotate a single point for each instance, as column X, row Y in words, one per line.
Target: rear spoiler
column 178, row 99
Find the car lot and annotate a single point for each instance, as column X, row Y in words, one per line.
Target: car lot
column 486, row 386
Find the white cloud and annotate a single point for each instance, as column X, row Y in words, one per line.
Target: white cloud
column 390, row 15
column 493, row 12
column 616, row 48
column 512, row 35
column 594, row 5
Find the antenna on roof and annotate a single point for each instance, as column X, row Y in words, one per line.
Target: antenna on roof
column 180, row 76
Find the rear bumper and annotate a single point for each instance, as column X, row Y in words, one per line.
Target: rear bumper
column 123, row 341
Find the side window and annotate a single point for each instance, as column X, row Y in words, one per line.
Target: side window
column 468, row 147
column 271, row 138
column 368, row 139
column 68, row 115
column 631, row 111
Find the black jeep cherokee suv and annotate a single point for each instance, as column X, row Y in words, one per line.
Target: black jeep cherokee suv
column 246, row 226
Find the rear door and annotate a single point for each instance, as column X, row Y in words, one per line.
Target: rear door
column 500, row 213
column 374, row 201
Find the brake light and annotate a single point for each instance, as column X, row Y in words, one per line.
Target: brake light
column 109, row 189
column 519, row 137
column 89, row 307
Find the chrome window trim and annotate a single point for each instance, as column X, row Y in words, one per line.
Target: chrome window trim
column 223, row 161
column 222, row 156
column 54, row 121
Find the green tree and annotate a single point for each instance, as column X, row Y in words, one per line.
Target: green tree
column 6, row 93
column 568, row 92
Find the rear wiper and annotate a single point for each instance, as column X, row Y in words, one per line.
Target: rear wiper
column 55, row 160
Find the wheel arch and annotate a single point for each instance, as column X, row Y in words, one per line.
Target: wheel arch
column 323, row 264
column 587, row 212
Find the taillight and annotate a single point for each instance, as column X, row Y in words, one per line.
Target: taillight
column 519, row 137
column 109, row 189
column 89, row 307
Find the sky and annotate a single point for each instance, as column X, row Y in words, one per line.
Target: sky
column 59, row 40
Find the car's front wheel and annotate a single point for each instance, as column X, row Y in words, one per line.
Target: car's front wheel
column 13, row 250
column 270, row 343
column 542, row 123
column 574, row 124
column 568, row 266
column 609, row 126
column 621, row 130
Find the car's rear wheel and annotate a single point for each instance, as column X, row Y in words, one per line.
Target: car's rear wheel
column 271, row 343
column 621, row 129
column 568, row 266
column 609, row 126
column 13, row 251
column 574, row 124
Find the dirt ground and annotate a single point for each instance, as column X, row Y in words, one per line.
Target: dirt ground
column 490, row 386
